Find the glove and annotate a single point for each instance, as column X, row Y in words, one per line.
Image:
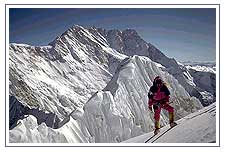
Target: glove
column 150, row 96
column 150, row 108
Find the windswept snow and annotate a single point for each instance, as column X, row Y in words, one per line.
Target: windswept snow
column 198, row 127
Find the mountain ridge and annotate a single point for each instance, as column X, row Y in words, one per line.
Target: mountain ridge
column 82, row 65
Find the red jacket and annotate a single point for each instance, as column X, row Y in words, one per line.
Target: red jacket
column 158, row 95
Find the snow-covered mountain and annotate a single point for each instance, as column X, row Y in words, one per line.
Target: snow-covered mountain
column 90, row 85
column 63, row 76
column 209, row 66
column 203, row 76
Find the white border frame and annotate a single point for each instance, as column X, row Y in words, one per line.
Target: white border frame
column 7, row 144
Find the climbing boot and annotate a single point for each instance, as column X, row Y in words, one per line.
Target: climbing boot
column 157, row 130
column 173, row 124
column 157, row 127
column 171, row 117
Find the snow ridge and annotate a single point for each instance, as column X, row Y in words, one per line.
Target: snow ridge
column 120, row 111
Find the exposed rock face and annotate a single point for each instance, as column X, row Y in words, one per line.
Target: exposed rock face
column 18, row 111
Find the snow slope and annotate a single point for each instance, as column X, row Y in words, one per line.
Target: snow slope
column 198, row 127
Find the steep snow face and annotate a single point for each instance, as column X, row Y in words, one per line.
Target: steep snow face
column 61, row 77
column 120, row 111
column 56, row 86
column 80, row 41
column 198, row 127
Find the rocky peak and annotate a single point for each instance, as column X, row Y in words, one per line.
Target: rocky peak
column 130, row 33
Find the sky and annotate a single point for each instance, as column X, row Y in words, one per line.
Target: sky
column 186, row 34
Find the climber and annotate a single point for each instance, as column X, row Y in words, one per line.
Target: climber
column 158, row 96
